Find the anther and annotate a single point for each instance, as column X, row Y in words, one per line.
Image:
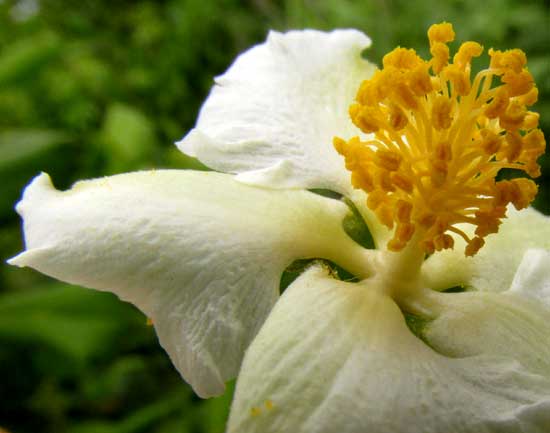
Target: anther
column 441, row 112
column 387, row 159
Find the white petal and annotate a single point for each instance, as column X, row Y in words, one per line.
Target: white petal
column 501, row 324
column 272, row 116
column 199, row 253
column 337, row 357
column 494, row 266
column 532, row 278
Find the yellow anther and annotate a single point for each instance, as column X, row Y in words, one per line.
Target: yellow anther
column 396, row 245
column 255, row 411
column 442, row 32
column 441, row 224
column 520, row 192
column 498, row 104
column 439, row 170
column 405, row 96
column 403, row 210
column 525, row 191
column 535, row 140
column 530, row 97
column 375, row 199
column 397, row 118
column 340, row 145
column 404, row 231
column 459, row 79
column 384, row 180
column 474, row 246
column 402, row 181
column 437, row 141
column 518, row 83
column 370, row 90
column 514, row 60
column 426, row 220
column 419, row 80
column 466, row 52
column 490, row 142
column 385, row 215
column 403, row 234
column 402, row 58
column 440, row 59
column 366, row 118
column 443, row 151
column 441, row 112
column 489, row 221
column 443, row 242
column 362, row 180
column 512, row 118
column 387, row 159
column 531, row 120
column 514, row 146
column 269, row 405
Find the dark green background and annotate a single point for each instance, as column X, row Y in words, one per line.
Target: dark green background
column 89, row 88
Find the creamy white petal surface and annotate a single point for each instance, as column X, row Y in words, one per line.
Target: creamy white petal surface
column 506, row 324
column 338, row 357
column 272, row 116
column 532, row 278
column 493, row 268
column 199, row 253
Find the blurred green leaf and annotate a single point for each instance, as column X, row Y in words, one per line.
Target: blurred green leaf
column 129, row 137
column 141, row 421
column 79, row 323
column 215, row 411
column 22, row 155
column 21, row 59
column 18, row 145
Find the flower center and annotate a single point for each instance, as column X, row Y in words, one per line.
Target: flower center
column 436, row 140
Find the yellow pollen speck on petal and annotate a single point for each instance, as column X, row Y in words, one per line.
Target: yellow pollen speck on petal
column 255, row 411
column 436, row 139
column 149, row 322
column 269, row 405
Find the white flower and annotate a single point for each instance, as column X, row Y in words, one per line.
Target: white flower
column 202, row 255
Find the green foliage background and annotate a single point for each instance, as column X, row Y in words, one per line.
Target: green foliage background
column 97, row 87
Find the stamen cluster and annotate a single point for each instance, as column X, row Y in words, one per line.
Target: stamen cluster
column 437, row 140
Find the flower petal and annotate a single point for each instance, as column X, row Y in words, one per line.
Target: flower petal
column 338, row 357
column 272, row 116
column 199, row 253
column 532, row 278
column 494, row 266
column 501, row 324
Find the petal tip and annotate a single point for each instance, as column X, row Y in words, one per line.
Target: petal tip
column 187, row 145
column 27, row 258
column 39, row 188
column 18, row 260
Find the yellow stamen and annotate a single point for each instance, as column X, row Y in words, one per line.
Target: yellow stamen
column 437, row 140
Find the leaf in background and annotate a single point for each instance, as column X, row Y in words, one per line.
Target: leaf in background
column 18, row 145
column 215, row 411
column 22, row 155
column 140, row 421
column 176, row 159
column 20, row 60
column 128, row 136
column 78, row 323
